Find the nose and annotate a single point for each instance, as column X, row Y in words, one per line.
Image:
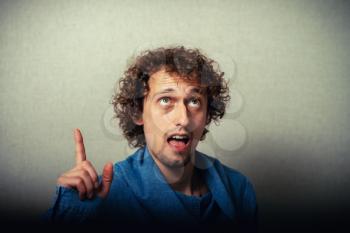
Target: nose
column 181, row 117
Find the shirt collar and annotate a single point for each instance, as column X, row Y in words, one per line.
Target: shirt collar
column 150, row 186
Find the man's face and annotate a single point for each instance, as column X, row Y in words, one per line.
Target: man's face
column 174, row 116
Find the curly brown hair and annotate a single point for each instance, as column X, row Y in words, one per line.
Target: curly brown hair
column 186, row 63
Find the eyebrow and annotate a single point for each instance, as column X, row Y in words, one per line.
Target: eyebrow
column 195, row 90
column 167, row 90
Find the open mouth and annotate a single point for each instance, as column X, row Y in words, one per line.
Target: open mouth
column 179, row 138
column 179, row 141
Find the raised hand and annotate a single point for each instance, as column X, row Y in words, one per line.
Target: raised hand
column 83, row 177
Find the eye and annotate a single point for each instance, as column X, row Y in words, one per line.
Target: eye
column 194, row 103
column 164, row 101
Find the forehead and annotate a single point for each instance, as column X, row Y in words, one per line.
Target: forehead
column 164, row 80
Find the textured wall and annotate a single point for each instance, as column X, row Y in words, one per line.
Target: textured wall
column 288, row 62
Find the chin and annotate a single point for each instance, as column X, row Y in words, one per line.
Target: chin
column 176, row 163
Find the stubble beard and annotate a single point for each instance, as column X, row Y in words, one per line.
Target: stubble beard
column 170, row 163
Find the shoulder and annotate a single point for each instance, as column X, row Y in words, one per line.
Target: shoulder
column 241, row 189
column 225, row 172
column 127, row 170
column 233, row 179
column 128, row 166
column 131, row 161
column 237, row 180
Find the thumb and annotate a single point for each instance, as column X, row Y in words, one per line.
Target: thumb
column 107, row 177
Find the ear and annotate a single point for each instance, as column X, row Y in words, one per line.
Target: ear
column 138, row 121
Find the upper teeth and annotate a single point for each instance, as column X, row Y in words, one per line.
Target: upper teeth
column 179, row 137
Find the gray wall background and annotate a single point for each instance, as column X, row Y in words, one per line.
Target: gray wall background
column 288, row 61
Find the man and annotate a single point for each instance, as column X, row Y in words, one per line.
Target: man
column 165, row 100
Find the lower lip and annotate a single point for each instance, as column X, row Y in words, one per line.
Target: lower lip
column 180, row 147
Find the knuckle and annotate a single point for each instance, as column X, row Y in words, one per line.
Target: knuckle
column 81, row 189
column 85, row 173
column 94, row 178
column 89, row 190
column 82, row 192
column 107, row 177
column 86, row 163
column 80, row 182
column 81, row 172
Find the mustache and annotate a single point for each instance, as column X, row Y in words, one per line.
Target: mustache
column 181, row 130
column 178, row 130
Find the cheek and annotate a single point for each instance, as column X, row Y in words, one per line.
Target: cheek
column 201, row 118
column 160, row 121
column 199, row 124
column 156, row 125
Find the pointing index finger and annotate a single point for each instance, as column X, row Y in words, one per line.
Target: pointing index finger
column 80, row 155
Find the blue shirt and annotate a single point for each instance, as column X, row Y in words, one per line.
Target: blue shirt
column 140, row 194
